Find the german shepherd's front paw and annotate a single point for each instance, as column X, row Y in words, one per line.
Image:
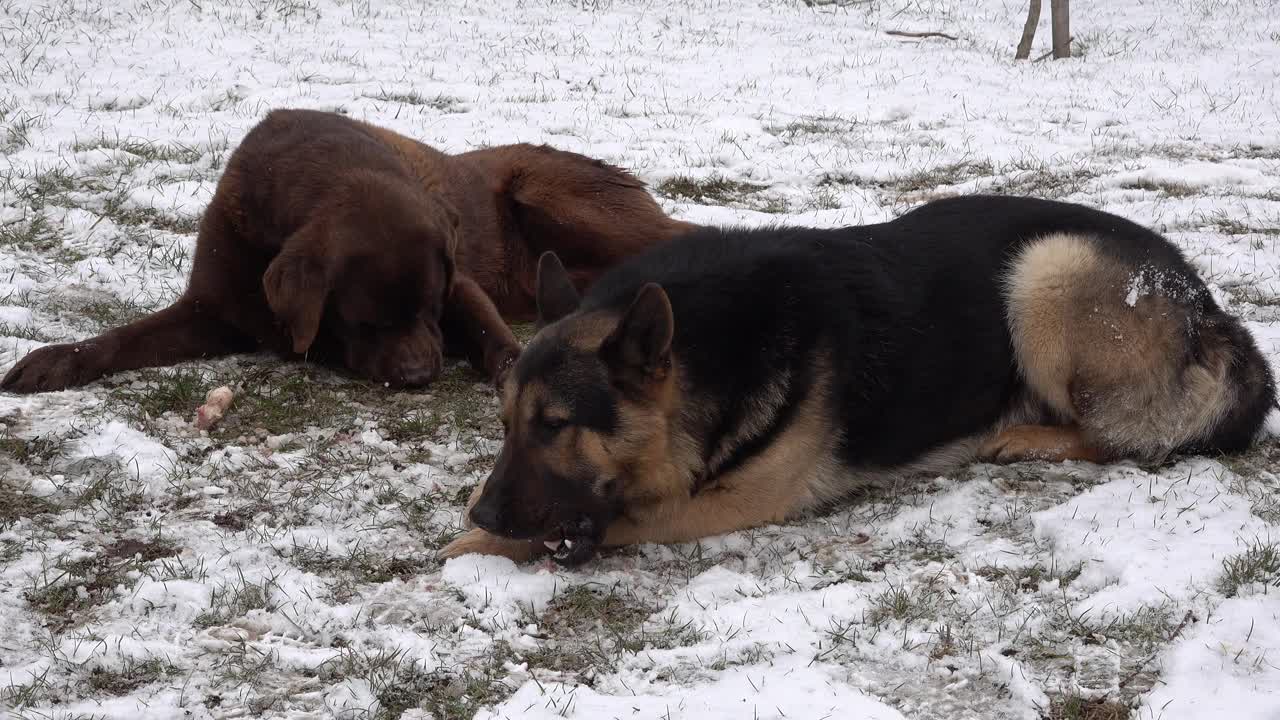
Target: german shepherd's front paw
column 57, row 367
column 1054, row 443
column 482, row 542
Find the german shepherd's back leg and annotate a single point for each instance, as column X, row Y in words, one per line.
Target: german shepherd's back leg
column 1137, row 356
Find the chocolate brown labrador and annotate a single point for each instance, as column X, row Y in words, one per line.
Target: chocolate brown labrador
column 354, row 246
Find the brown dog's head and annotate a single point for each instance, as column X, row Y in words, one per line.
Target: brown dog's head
column 584, row 411
column 372, row 283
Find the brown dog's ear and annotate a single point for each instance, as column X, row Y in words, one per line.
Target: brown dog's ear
column 297, row 285
column 639, row 349
column 556, row 294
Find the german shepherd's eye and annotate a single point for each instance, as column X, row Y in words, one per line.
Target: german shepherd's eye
column 553, row 424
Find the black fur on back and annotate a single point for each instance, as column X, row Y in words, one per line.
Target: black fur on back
column 911, row 314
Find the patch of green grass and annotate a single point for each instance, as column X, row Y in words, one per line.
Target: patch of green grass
column 857, row 575
column 421, row 514
column 1165, row 187
column 286, row 399
column 240, row 517
column 1143, row 629
column 1258, row 564
column 54, row 183
column 144, row 149
column 111, row 494
column 1042, row 179
column 16, row 505
column 17, row 130
column 752, row 654
column 1030, row 577
column 1228, row 225
column 1254, row 471
column 235, row 600
column 719, row 191
column 1247, row 292
column 178, row 391
column 362, row 564
column 922, row 548
column 817, row 125
column 898, row 603
column 271, row 398
column 907, row 605
column 595, row 627
column 111, row 312
column 417, row 424
column 123, row 214
column 26, row 332
column 939, row 176
column 825, row 197
column 10, row 550
column 130, row 676
column 106, row 196
column 524, row 332
column 38, row 450
column 443, row 103
column 34, row 233
column 65, row 591
column 176, row 567
column 1075, row 707
column 400, row 684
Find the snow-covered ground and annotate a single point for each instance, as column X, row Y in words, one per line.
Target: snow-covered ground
column 283, row 566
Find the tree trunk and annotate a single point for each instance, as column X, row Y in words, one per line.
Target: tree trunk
column 1060, row 14
column 1028, row 31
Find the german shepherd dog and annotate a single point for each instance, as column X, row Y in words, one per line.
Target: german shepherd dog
column 357, row 247
column 732, row 378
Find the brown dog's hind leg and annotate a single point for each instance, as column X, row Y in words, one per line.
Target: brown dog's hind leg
column 176, row 333
column 1051, row 443
column 473, row 327
column 590, row 213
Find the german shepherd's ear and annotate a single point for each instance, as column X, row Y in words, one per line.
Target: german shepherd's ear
column 556, row 294
column 297, row 284
column 639, row 349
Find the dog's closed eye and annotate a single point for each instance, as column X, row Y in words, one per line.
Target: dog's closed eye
column 553, row 423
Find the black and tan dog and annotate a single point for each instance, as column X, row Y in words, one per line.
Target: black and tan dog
column 733, row 378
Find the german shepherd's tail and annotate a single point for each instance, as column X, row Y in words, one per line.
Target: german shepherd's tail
column 1131, row 347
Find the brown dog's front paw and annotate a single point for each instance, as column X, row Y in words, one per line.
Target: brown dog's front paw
column 56, row 367
column 482, row 542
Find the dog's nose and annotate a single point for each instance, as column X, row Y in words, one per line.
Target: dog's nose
column 417, row 375
column 486, row 516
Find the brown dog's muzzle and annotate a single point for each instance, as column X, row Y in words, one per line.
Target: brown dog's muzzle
column 407, row 359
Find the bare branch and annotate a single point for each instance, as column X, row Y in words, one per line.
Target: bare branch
column 906, row 33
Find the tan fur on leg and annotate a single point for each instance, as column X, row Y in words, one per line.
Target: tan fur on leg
column 485, row 543
column 1051, row 443
column 713, row 512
